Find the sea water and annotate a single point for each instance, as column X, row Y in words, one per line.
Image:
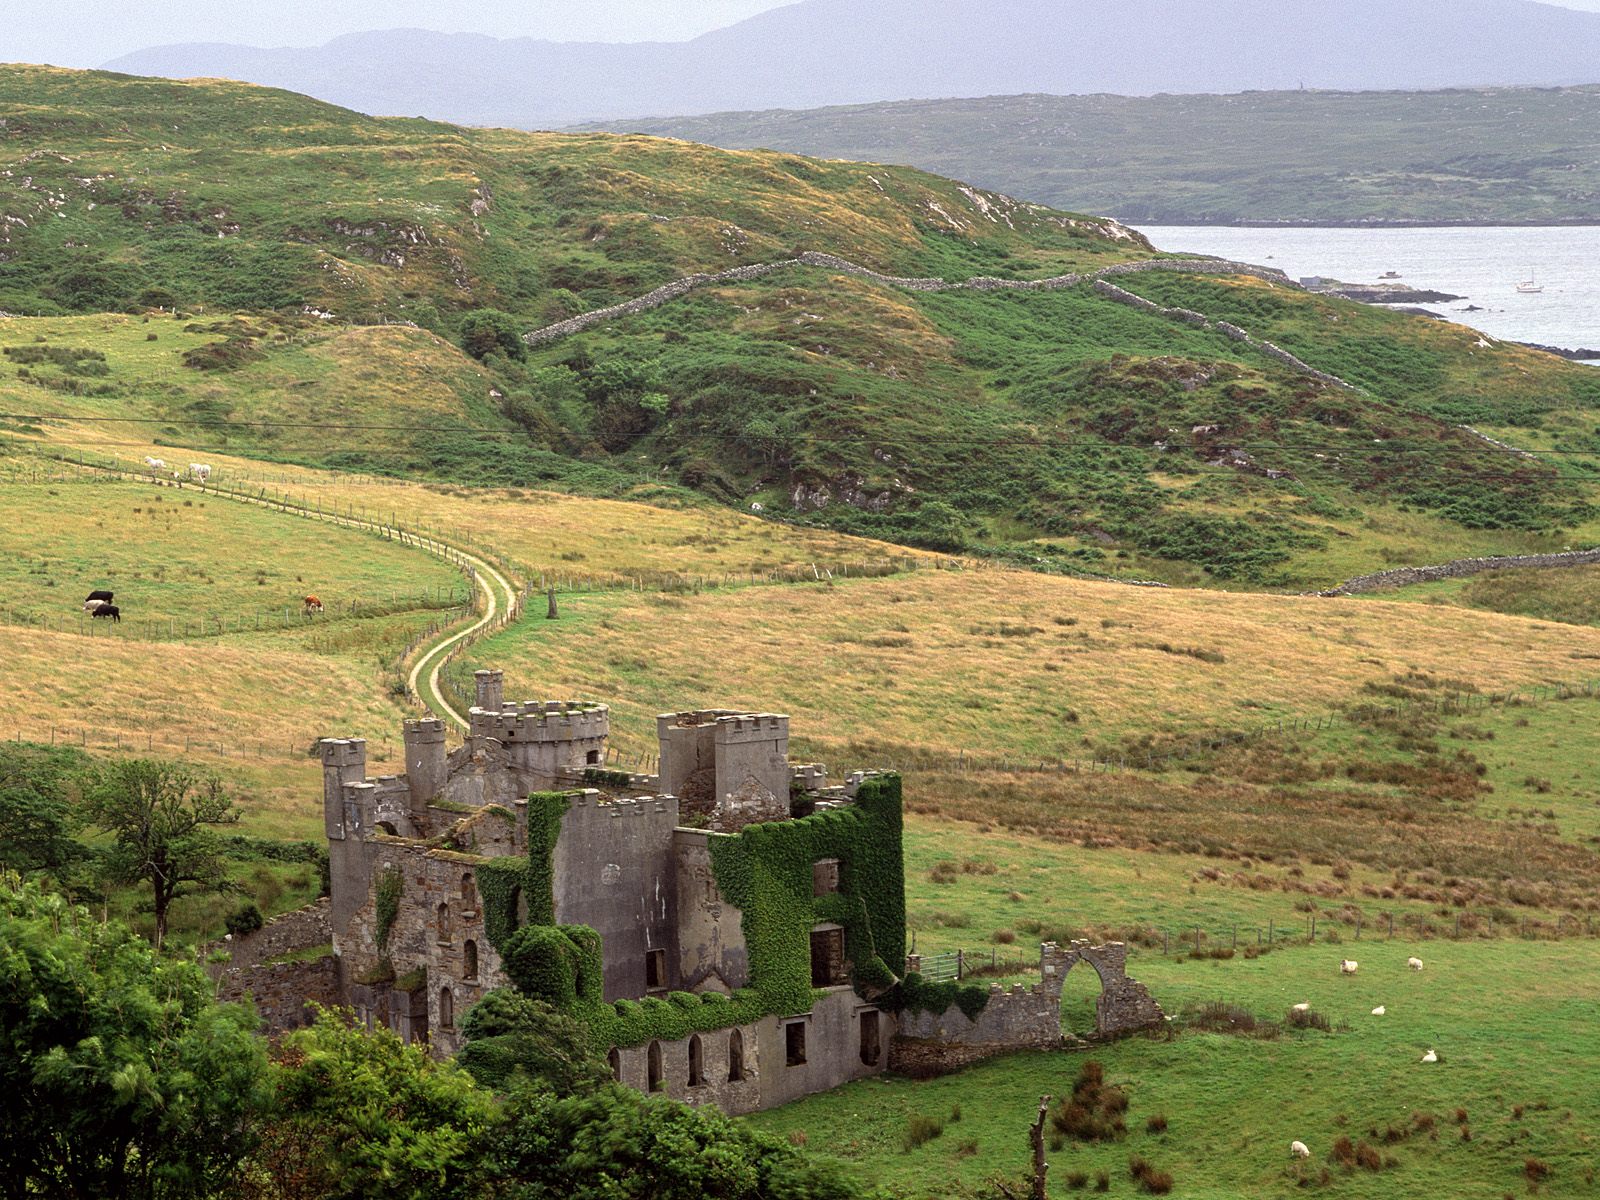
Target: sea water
column 1483, row 264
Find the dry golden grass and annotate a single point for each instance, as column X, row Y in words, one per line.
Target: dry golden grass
column 209, row 703
column 541, row 531
column 1006, row 662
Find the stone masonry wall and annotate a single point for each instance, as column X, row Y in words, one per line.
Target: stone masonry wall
column 1405, row 576
column 297, row 930
column 1189, row 317
column 982, row 283
column 283, row 993
column 1025, row 1018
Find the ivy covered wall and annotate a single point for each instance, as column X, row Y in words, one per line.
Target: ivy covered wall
column 766, row 871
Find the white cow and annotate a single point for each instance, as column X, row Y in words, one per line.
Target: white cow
column 155, row 464
column 200, row 471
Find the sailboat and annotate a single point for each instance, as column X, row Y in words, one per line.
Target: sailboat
column 1529, row 286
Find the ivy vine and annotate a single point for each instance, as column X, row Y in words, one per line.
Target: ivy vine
column 505, row 883
column 387, row 905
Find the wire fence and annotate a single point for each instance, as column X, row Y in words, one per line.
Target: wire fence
column 1211, row 940
column 194, row 745
column 193, row 626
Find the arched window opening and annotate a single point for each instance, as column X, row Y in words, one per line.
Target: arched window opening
column 614, row 1061
column 447, row 1008
column 735, row 1056
column 469, row 894
column 653, row 1068
column 469, row 960
column 697, row 1074
column 444, row 921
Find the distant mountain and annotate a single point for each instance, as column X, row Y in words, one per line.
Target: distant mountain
column 827, row 52
column 1475, row 156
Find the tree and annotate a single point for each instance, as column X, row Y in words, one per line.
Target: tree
column 485, row 331
column 35, row 811
column 617, row 1144
column 363, row 1114
column 511, row 1036
column 121, row 1076
column 162, row 816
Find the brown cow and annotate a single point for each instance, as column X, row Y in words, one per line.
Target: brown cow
column 312, row 605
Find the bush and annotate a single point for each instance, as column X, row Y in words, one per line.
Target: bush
column 920, row 1130
column 1093, row 1113
column 244, row 920
column 486, row 331
column 1150, row 1180
column 1156, row 1124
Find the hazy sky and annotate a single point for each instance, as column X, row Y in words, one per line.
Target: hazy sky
column 86, row 33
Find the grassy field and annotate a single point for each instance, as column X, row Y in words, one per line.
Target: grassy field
column 1047, row 667
column 178, row 560
column 1480, row 155
column 1507, row 1020
column 322, row 313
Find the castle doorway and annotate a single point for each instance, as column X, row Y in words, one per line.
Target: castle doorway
column 1080, row 995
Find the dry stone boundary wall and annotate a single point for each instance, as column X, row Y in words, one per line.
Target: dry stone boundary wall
column 1401, row 577
column 982, row 283
column 1188, row 316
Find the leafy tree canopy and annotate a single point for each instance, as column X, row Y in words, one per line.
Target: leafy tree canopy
column 121, row 1076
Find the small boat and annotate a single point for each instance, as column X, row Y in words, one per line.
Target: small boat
column 1530, row 287
column 1390, row 275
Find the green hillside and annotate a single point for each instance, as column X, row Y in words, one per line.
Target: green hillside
column 322, row 265
column 1481, row 156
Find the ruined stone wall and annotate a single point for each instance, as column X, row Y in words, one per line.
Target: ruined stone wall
column 1400, row 577
column 831, row 262
column 615, row 870
column 1026, row 1018
column 300, row 929
column 833, row 1056
column 1189, row 317
column 283, row 993
column 712, row 955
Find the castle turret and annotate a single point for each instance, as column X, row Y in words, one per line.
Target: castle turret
column 426, row 769
column 491, row 690
column 717, row 760
column 344, row 760
column 546, row 742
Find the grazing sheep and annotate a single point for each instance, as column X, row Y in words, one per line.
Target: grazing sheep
column 1414, row 963
column 1301, row 1007
column 200, row 471
column 1379, row 1011
column 1299, row 1149
column 1430, row 1057
column 155, row 464
column 1348, row 966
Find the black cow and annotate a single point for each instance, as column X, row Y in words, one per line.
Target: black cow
column 93, row 596
column 108, row 610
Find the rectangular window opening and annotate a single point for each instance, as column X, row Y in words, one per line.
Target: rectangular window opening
column 655, row 970
column 794, row 1044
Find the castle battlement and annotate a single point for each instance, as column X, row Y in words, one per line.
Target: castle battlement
column 751, row 727
column 542, row 721
column 343, row 752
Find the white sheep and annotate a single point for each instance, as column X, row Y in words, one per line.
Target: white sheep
column 1348, row 966
column 1301, row 1007
column 200, row 471
column 1299, row 1149
column 1414, row 963
column 1430, row 1057
column 1379, row 1011
column 155, row 464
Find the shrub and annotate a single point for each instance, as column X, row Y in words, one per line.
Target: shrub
column 1102, row 1181
column 1535, row 1170
column 488, row 330
column 1150, row 1180
column 244, row 919
column 1093, row 1113
column 1077, row 1180
column 1156, row 1124
column 920, row 1130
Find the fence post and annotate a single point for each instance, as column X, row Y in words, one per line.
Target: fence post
column 1272, row 934
column 1166, row 942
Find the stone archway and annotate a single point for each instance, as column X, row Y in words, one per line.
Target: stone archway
column 1124, row 1005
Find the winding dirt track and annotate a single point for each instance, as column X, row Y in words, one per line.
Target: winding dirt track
column 499, row 594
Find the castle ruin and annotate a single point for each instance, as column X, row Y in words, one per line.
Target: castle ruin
column 725, row 950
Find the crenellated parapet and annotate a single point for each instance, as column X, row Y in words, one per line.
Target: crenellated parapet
column 542, row 721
